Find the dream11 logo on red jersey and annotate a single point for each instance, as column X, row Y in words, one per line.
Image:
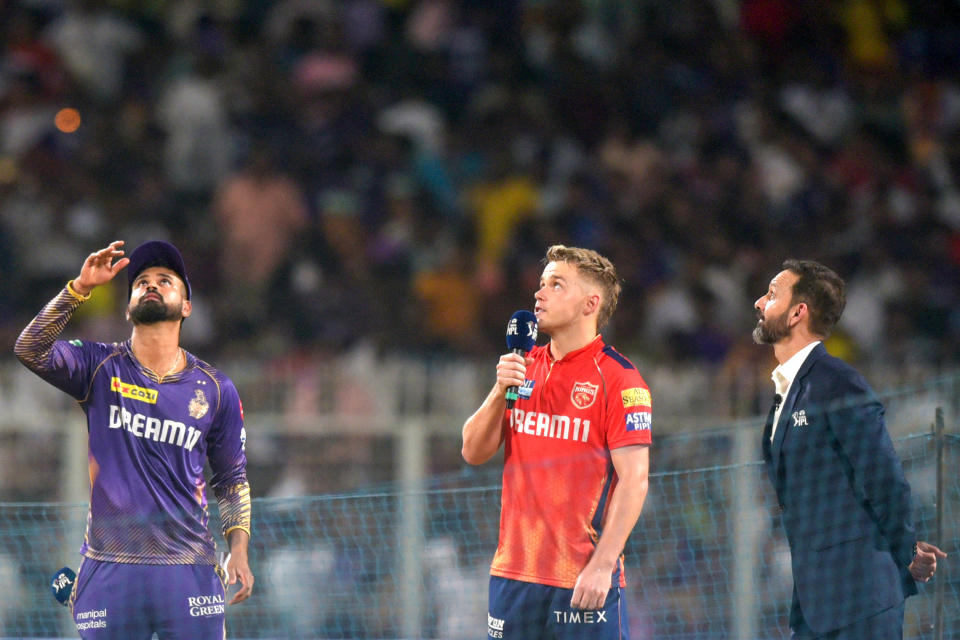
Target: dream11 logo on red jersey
column 583, row 394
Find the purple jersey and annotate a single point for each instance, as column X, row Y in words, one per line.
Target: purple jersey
column 148, row 439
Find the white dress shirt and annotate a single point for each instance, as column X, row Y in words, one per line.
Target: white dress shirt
column 783, row 377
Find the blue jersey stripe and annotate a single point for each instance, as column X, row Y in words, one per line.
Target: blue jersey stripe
column 614, row 354
column 597, row 522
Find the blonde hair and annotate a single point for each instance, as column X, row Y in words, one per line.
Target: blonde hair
column 594, row 267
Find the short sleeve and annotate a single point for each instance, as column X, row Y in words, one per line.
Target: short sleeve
column 628, row 419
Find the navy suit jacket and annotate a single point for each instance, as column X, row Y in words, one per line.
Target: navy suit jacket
column 844, row 502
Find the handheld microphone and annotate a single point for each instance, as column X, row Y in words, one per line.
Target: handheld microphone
column 521, row 336
column 62, row 584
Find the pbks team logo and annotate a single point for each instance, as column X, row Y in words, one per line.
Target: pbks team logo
column 583, row 394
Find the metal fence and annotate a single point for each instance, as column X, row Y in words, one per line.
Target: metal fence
column 407, row 556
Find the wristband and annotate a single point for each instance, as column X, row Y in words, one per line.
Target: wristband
column 76, row 294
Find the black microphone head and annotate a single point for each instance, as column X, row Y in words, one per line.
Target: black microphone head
column 62, row 584
column 522, row 331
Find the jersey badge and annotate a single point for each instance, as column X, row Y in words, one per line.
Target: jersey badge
column 132, row 391
column 638, row 421
column 198, row 406
column 583, row 394
column 636, row 397
column 526, row 390
column 77, row 343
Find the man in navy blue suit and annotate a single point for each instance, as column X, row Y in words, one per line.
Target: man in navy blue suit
column 843, row 498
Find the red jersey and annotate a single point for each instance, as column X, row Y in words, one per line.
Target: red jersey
column 558, row 476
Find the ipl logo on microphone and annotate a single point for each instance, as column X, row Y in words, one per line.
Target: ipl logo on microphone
column 514, row 330
column 532, row 330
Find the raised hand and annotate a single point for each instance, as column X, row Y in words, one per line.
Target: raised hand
column 100, row 268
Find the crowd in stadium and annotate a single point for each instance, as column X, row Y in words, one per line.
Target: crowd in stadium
column 392, row 171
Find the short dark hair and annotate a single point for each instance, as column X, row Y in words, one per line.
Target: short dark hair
column 822, row 290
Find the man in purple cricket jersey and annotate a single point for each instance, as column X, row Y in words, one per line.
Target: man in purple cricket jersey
column 155, row 414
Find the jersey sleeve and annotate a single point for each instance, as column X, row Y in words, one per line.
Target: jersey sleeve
column 629, row 413
column 226, row 450
column 65, row 365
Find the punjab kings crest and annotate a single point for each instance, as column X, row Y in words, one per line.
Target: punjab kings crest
column 583, row 394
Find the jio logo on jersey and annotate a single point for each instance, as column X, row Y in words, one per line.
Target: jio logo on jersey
column 583, row 394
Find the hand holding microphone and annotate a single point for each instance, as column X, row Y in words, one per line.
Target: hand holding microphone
column 521, row 336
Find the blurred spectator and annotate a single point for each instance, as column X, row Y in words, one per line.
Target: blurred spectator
column 259, row 212
column 451, row 307
column 458, row 589
column 27, row 54
column 869, row 24
column 94, row 41
column 500, row 203
column 198, row 151
column 26, row 116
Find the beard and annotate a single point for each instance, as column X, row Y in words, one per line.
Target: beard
column 773, row 330
column 154, row 311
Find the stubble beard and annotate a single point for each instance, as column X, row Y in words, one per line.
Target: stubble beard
column 773, row 330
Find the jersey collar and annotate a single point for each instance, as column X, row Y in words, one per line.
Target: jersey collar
column 590, row 350
column 190, row 359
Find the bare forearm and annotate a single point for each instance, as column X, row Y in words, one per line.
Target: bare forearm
column 239, row 541
column 626, row 503
column 483, row 431
column 238, row 566
column 625, row 507
column 632, row 465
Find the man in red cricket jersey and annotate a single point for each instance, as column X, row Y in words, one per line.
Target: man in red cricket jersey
column 576, row 460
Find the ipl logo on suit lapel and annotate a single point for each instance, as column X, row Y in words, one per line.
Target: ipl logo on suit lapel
column 800, row 418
